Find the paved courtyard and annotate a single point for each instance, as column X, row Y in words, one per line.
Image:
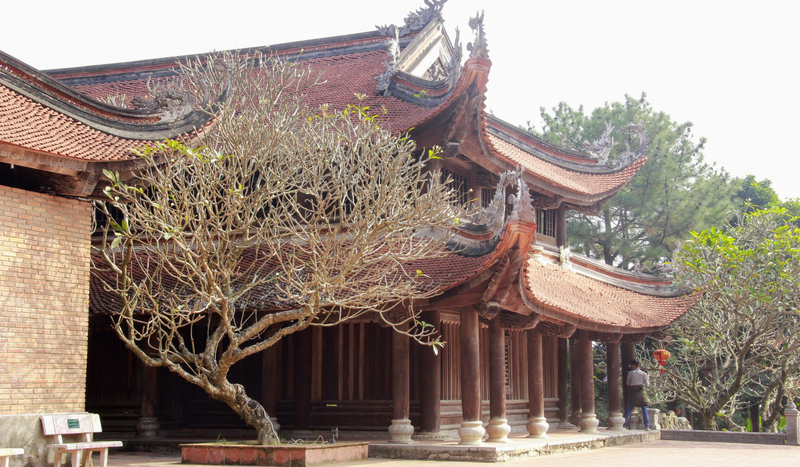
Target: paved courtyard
column 677, row 453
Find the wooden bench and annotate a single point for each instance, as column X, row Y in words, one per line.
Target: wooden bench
column 83, row 424
column 5, row 453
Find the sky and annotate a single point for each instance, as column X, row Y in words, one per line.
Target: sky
column 730, row 67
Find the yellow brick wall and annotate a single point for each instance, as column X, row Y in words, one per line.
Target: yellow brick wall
column 44, row 302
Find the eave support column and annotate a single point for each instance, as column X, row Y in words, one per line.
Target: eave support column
column 589, row 420
column 471, row 431
column 148, row 424
column 563, row 392
column 537, row 423
column 400, row 430
column 430, row 375
column 498, row 428
column 574, row 382
column 615, row 419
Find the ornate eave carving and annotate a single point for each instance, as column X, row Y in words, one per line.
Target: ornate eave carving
column 592, row 210
column 415, row 20
column 549, row 328
column 509, row 320
column 479, row 47
column 546, row 202
column 605, row 337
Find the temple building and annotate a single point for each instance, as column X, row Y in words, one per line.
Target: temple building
column 518, row 311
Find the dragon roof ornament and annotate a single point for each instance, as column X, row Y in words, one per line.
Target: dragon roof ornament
column 393, row 51
column 601, row 148
column 478, row 48
column 170, row 99
column 415, row 20
column 453, row 70
column 494, row 215
column 629, row 155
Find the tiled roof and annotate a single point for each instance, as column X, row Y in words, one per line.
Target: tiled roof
column 439, row 273
column 343, row 75
column 29, row 124
column 578, row 182
column 570, row 297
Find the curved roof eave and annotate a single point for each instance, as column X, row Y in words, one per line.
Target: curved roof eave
column 621, row 311
column 123, row 123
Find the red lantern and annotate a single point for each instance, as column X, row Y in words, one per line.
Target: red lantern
column 662, row 356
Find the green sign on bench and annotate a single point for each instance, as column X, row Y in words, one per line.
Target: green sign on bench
column 73, row 423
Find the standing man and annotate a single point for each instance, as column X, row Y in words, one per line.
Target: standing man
column 637, row 381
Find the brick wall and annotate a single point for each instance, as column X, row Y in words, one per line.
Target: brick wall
column 44, row 302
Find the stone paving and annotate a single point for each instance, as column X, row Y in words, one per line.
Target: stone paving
column 668, row 453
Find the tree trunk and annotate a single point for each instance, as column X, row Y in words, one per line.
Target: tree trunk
column 251, row 411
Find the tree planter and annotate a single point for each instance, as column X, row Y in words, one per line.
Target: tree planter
column 295, row 455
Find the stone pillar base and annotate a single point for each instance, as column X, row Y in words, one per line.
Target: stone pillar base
column 400, row 431
column 498, row 430
column 148, row 427
column 633, row 421
column 589, row 423
column 537, row 427
column 471, row 433
column 430, row 436
column 575, row 418
column 615, row 421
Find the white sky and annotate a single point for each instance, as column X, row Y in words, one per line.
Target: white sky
column 730, row 67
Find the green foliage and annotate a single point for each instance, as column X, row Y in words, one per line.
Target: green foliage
column 741, row 340
column 756, row 194
column 674, row 192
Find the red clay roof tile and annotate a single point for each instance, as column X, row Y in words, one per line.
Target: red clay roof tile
column 578, row 298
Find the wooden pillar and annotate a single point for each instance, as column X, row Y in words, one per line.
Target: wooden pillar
column 271, row 380
column 574, row 381
column 430, row 376
column 628, row 350
column 562, row 391
column 498, row 428
column 302, row 379
column 561, row 226
column 537, row 423
column 401, row 429
column 148, row 424
column 615, row 419
column 589, row 420
column 471, row 431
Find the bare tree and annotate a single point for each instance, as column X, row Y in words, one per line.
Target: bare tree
column 741, row 341
column 274, row 218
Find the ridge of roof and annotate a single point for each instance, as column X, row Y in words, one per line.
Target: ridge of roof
column 165, row 62
column 39, row 87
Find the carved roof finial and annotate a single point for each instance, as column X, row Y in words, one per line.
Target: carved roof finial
column 629, row 156
column 601, row 148
column 416, row 20
column 393, row 51
column 478, row 48
column 454, row 65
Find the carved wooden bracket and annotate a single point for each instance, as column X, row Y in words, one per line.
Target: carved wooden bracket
column 545, row 202
column 548, row 328
column 516, row 321
column 606, row 337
